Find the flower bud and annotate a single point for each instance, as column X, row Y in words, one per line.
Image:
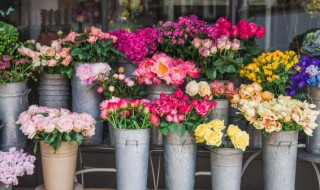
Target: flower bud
column 111, row 89
column 121, row 70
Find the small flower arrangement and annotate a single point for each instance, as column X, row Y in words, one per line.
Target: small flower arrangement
column 281, row 114
column 214, row 90
column 14, row 164
column 93, row 46
column 123, row 114
column 211, row 134
column 162, row 68
column 54, row 126
column 271, row 70
column 177, row 113
column 311, row 44
column 136, row 45
column 50, row 59
column 306, row 72
column 93, row 73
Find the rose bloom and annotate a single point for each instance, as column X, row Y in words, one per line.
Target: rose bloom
column 213, row 138
column 204, row 89
column 240, row 140
column 206, row 43
column 217, row 124
column 232, row 131
column 66, row 61
column 200, row 131
column 192, row 88
column 196, row 42
column 204, row 52
column 52, row 63
column 92, row 39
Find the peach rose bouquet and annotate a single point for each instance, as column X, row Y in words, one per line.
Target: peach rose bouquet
column 211, row 134
column 55, row 126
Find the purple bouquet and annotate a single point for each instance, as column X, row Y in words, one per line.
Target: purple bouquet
column 306, row 72
column 13, row 164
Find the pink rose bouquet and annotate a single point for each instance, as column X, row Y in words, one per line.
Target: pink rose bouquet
column 178, row 113
column 123, row 114
column 162, row 68
column 14, row 164
column 93, row 46
column 50, row 59
column 54, row 125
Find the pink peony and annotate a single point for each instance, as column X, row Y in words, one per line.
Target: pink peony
column 95, row 31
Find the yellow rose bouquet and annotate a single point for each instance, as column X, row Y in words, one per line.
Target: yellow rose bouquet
column 211, row 134
column 271, row 70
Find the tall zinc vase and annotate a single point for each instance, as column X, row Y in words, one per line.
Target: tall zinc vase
column 59, row 167
column 180, row 161
column 154, row 91
column 313, row 142
column 128, row 66
column 54, row 91
column 221, row 111
column 132, row 153
column 255, row 137
column 279, row 160
column 4, row 187
column 13, row 101
column 226, row 167
column 88, row 102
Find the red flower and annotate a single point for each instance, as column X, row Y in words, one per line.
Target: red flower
column 203, row 108
column 260, row 32
column 154, row 120
column 253, row 28
column 178, row 93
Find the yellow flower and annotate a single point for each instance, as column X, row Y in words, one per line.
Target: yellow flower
column 200, row 131
column 216, row 124
column 240, row 140
column 232, row 130
column 204, row 89
column 213, row 138
column 266, row 95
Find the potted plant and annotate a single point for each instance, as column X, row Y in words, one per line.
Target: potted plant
column 15, row 70
column 131, row 122
column 14, row 164
column 226, row 156
column 280, row 119
column 59, row 133
column 177, row 116
column 54, row 64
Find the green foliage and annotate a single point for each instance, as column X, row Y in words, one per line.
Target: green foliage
column 8, row 39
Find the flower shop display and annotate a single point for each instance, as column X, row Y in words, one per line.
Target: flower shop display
column 226, row 157
column 131, row 122
column 59, row 133
column 271, row 70
column 15, row 70
column 280, row 119
column 177, row 116
column 14, row 164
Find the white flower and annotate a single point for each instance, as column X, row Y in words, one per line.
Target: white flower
column 312, row 70
column 192, row 88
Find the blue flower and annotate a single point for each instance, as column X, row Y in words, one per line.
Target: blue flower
column 312, row 81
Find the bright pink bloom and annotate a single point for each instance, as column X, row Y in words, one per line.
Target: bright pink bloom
column 260, row 32
column 154, row 120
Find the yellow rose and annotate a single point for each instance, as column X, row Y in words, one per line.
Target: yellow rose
column 201, row 131
column 192, row 88
column 240, row 140
column 216, row 124
column 235, row 100
column 257, row 87
column 213, row 138
column 204, row 89
column 266, row 95
column 232, row 131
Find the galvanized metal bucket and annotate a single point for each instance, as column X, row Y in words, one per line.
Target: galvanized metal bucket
column 180, row 161
column 128, row 66
column 313, row 142
column 111, row 134
column 255, row 140
column 132, row 153
column 221, row 111
column 13, row 101
column 54, row 91
column 88, row 102
column 154, row 91
column 3, row 187
column 226, row 167
column 279, row 160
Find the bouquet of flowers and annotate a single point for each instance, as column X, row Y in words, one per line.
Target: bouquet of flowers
column 14, row 164
column 54, row 125
column 214, row 90
column 93, row 46
column 177, row 113
column 136, row 45
column 123, row 114
column 211, row 134
column 50, row 59
column 282, row 113
column 162, row 68
column 306, row 72
column 311, row 44
column 271, row 70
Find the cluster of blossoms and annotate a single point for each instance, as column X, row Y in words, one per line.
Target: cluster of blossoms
column 94, row 35
column 242, row 30
column 37, row 122
column 164, row 68
column 250, row 93
column 282, row 113
column 211, row 134
column 14, row 164
column 136, row 45
column 5, row 61
column 90, row 73
column 271, row 70
column 215, row 90
column 311, row 44
column 208, row 47
column 305, row 72
column 124, row 114
column 48, row 56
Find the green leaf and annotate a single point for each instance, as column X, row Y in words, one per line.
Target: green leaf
column 230, row 69
column 78, row 138
column 218, row 63
column 136, row 124
column 68, row 138
column 181, row 129
column 164, row 130
column 211, row 73
column 194, row 116
column 164, row 124
column 173, row 126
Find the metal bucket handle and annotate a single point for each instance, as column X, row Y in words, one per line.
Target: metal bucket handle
column 283, row 144
column 307, row 96
column 136, row 143
column 25, row 93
